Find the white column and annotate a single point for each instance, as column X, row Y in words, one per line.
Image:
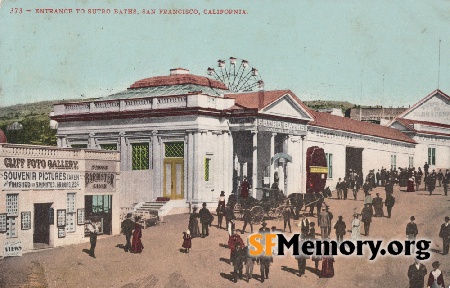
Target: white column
column 190, row 166
column 303, row 166
column 272, row 152
column 91, row 141
column 123, row 152
column 157, row 169
column 255, row 162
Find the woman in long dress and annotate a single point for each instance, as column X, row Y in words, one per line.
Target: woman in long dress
column 193, row 223
column 136, row 244
column 327, row 266
column 356, row 225
column 187, row 243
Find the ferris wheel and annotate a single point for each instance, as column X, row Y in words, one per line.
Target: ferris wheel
column 237, row 75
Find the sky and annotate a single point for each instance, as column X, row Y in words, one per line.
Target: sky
column 366, row 52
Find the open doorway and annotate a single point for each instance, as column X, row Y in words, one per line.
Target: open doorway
column 41, row 223
column 353, row 160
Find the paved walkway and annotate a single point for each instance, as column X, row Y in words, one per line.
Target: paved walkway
column 161, row 264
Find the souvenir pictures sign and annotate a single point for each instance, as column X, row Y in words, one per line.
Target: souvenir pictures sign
column 61, row 217
column 26, row 220
column 80, row 218
column 3, row 222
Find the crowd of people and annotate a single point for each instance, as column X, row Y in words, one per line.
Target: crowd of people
column 240, row 257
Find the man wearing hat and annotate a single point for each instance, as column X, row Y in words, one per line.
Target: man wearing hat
column 368, row 200
column 127, row 230
column 390, row 202
column 446, row 181
column 416, row 274
column 444, row 233
column 378, row 206
column 324, row 222
column 366, row 218
column 431, row 182
column 206, row 219
column 411, row 229
column 435, row 279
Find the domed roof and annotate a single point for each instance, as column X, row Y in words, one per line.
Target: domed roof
column 2, row 137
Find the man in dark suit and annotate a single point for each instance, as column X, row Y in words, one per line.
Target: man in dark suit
column 416, row 274
column 444, row 233
column 127, row 230
column 206, row 219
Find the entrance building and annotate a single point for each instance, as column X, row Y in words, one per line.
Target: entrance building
column 188, row 138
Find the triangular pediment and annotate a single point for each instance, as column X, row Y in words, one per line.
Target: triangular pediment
column 434, row 108
column 286, row 106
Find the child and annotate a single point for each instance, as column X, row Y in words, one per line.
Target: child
column 187, row 240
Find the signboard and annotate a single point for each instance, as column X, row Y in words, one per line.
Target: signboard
column 3, row 222
column 100, row 176
column 318, row 169
column 281, row 127
column 39, row 174
column 12, row 247
column 61, row 232
column 51, row 216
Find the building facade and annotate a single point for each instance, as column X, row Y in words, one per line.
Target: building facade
column 49, row 194
column 187, row 138
column 428, row 123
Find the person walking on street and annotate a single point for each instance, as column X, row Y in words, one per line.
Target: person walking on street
column 339, row 189
column 411, row 229
column 206, row 219
column 93, row 230
column 187, row 241
column 304, row 228
column 418, row 178
column 366, row 188
column 444, row 233
column 390, row 201
column 244, row 188
column 249, row 263
column 301, row 261
column 356, row 227
column 368, row 200
column 220, row 209
column 193, row 223
column 340, row 228
column 431, row 182
column 416, row 274
column 136, row 243
column 446, row 181
column 264, row 262
column 237, row 260
column 127, row 230
column 366, row 218
column 247, row 219
column 435, row 279
column 287, row 214
column 324, row 223
column 439, row 177
column 378, row 206
column 234, row 241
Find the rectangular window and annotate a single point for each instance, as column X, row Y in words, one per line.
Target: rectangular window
column 80, row 146
column 140, row 156
column 393, row 162
column 11, row 227
column 71, row 215
column 329, row 164
column 431, row 156
column 207, row 169
column 111, row 147
column 174, row 149
column 411, row 162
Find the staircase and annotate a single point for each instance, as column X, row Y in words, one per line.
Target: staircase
column 151, row 206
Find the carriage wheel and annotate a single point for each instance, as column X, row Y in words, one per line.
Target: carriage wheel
column 257, row 215
column 278, row 214
column 238, row 212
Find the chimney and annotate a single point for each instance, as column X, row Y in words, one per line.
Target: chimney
column 260, row 99
column 178, row 71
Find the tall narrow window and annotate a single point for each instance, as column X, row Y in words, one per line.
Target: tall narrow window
column 431, row 156
column 12, row 212
column 329, row 164
column 393, row 162
column 411, row 162
column 140, row 156
column 207, row 169
column 70, row 215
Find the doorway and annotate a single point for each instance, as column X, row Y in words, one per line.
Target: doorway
column 353, row 159
column 41, row 223
column 174, row 178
